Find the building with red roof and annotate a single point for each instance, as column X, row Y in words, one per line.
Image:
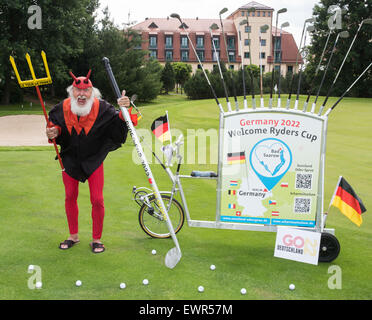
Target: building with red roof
column 166, row 40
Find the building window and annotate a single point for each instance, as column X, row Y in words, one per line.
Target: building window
column 169, row 42
column 169, row 55
column 263, row 55
column 258, row 13
column 231, row 56
column 243, row 13
column 290, row 69
column 200, row 42
column 184, row 55
column 153, row 54
column 200, row 55
column 263, row 42
column 153, row 41
column 277, row 56
column 184, row 42
column 277, row 43
column 231, row 43
column 246, row 55
column 215, row 55
column 216, row 42
column 263, row 68
column 253, row 13
column 248, row 29
column 264, row 13
column 247, row 42
column 269, row 14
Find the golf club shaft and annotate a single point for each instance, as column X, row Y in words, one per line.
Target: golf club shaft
column 142, row 155
column 250, row 70
column 228, row 61
column 343, row 95
column 243, row 71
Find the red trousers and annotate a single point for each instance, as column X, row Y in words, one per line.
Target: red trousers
column 95, row 182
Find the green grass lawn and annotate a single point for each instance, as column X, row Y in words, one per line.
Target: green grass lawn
column 33, row 223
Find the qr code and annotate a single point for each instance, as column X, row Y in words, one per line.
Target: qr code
column 302, row 205
column 303, row 181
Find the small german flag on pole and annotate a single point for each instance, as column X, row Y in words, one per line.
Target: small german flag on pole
column 160, row 128
column 346, row 200
column 236, row 157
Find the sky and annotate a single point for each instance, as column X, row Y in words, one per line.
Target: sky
column 298, row 10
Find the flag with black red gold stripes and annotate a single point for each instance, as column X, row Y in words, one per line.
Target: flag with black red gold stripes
column 347, row 201
column 236, row 157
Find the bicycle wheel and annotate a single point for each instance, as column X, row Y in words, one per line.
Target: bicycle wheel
column 152, row 222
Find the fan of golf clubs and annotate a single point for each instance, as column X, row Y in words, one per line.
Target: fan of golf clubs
column 307, row 28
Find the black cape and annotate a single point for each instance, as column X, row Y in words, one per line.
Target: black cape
column 83, row 153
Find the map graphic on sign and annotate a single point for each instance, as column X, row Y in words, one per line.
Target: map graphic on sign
column 270, row 159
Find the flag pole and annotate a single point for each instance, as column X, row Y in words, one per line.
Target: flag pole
column 334, row 194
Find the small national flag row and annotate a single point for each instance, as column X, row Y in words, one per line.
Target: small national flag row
column 236, row 158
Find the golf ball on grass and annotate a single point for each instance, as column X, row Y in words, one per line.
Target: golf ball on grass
column 212, row 267
column 201, row 289
column 153, row 251
column 38, row 285
column 292, row 286
column 78, row 283
column 122, row 285
column 243, row 291
column 145, row 282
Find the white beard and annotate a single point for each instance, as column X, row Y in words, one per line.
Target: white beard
column 81, row 110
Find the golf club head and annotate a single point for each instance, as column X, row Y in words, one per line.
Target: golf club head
column 367, row 21
column 133, row 98
column 282, row 10
column 264, row 28
column 284, row 25
column 176, row 16
column 172, row 257
column 310, row 29
column 168, row 153
column 214, row 26
column 245, row 21
column 223, row 11
column 344, row 34
column 310, row 20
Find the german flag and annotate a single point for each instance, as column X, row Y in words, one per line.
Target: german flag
column 346, row 200
column 160, row 129
column 237, row 157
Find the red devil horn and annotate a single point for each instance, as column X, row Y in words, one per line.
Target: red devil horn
column 88, row 75
column 73, row 76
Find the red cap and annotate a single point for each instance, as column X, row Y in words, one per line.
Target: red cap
column 82, row 82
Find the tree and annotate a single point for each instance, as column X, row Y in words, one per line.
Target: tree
column 360, row 55
column 182, row 72
column 168, row 78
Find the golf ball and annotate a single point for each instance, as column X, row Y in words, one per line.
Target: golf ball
column 153, row 251
column 78, row 283
column 38, row 285
column 122, row 285
column 212, row 267
column 145, row 282
column 201, row 289
column 243, row 291
column 31, row 267
column 292, row 286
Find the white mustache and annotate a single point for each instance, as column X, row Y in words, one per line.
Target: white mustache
column 82, row 97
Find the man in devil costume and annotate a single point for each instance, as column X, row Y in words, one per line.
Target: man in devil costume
column 87, row 128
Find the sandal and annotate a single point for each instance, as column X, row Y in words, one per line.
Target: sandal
column 69, row 243
column 96, row 245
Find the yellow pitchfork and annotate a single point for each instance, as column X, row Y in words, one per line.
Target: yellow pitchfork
column 36, row 83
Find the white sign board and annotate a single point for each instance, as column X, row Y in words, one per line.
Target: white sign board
column 298, row 245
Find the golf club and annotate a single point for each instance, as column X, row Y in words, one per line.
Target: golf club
column 342, row 34
column 228, row 57
column 284, row 25
column 252, row 9
column 308, row 29
column 283, row 10
column 367, row 21
column 310, row 20
column 242, row 64
column 174, row 255
column 132, row 99
column 262, row 30
column 343, row 95
column 177, row 16
column 215, row 27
